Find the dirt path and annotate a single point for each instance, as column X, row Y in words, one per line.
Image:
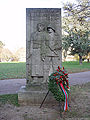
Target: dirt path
column 13, row 85
column 79, row 78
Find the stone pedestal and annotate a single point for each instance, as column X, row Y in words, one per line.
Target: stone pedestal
column 35, row 97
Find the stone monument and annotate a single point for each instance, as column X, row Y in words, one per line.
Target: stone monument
column 43, row 52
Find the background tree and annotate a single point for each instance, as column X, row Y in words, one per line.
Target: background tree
column 1, row 47
column 77, row 44
column 21, row 54
column 7, row 55
column 76, row 28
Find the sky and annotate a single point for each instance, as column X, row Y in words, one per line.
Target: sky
column 13, row 19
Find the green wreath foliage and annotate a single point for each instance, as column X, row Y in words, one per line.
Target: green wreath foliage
column 54, row 83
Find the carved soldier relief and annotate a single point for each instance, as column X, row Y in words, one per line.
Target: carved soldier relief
column 37, row 41
column 43, row 44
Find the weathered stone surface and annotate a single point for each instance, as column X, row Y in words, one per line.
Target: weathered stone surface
column 43, row 43
column 43, row 52
column 28, row 97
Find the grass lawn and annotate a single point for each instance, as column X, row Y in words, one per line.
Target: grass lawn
column 74, row 66
column 18, row 70
column 12, row 70
column 9, row 98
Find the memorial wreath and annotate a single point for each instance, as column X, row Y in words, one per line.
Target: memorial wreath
column 58, row 84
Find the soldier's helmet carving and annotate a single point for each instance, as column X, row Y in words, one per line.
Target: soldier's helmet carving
column 51, row 27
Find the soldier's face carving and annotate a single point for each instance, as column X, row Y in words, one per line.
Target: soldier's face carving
column 40, row 27
column 50, row 30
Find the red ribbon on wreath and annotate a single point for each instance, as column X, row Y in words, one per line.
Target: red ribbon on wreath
column 60, row 83
column 66, row 106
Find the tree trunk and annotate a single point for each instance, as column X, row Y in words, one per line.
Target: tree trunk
column 80, row 59
column 88, row 60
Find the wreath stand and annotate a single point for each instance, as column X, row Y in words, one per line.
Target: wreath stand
column 45, row 99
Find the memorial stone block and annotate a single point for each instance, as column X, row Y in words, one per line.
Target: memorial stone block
column 43, row 50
